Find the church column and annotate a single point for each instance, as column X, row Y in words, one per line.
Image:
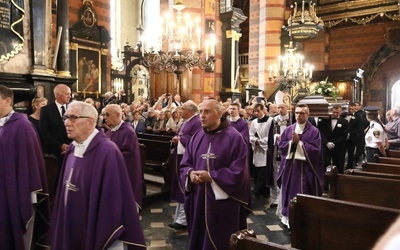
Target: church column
column 38, row 32
column 230, row 50
column 63, row 52
column 266, row 21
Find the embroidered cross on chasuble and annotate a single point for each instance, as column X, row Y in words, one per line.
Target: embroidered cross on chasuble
column 207, row 156
column 218, row 192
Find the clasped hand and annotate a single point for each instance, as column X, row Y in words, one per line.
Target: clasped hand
column 330, row 145
column 201, row 176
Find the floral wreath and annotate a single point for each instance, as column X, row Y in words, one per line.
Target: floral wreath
column 325, row 88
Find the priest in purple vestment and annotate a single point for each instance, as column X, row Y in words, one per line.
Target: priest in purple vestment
column 24, row 209
column 94, row 207
column 122, row 134
column 237, row 122
column 189, row 127
column 217, row 181
column 301, row 170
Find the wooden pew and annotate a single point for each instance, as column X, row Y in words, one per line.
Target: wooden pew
column 372, row 174
column 387, row 160
column 393, row 153
column 157, row 137
column 366, row 190
column 380, row 168
column 157, row 158
column 246, row 240
column 325, row 224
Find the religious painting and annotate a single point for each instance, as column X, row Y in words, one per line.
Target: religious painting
column 209, row 7
column 141, row 91
column 88, row 70
column 210, row 26
column 209, row 85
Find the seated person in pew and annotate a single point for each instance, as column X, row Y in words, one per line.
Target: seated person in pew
column 393, row 128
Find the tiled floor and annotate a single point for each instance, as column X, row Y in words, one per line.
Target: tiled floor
column 157, row 215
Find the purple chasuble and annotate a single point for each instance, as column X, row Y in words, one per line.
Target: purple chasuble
column 225, row 155
column 296, row 176
column 127, row 142
column 186, row 131
column 22, row 172
column 94, row 204
column 243, row 128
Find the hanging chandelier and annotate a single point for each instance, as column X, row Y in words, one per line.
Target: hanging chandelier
column 176, row 47
column 291, row 69
column 304, row 23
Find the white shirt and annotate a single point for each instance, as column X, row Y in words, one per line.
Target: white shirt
column 80, row 148
column 59, row 107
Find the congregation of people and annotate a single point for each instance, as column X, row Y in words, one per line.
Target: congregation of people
column 224, row 154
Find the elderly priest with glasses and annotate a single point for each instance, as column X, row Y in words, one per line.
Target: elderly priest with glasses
column 94, row 206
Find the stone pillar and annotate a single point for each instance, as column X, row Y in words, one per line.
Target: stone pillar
column 63, row 51
column 266, row 21
column 38, row 24
column 230, row 50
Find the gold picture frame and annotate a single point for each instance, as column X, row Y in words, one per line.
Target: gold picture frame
column 88, row 70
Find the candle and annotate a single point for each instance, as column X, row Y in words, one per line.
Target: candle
column 167, row 15
column 212, row 45
column 270, row 71
column 206, row 44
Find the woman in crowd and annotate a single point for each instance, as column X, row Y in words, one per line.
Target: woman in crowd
column 37, row 104
column 175, row 122
column 159, row 125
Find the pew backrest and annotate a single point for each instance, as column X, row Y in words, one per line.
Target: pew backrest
column 323, row 223
column 362, row 189
column 372, row 174
column 387, row 160
column 393, row 153
column 381, row 168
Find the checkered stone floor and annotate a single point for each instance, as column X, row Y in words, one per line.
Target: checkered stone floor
column 156, row 216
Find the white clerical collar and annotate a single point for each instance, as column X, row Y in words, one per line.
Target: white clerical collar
column 234, row 119
column 80, row 148
column 300, row 128
column 118, row 126
column 4, row 119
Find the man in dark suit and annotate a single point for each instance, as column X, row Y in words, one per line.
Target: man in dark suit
column 53, row 132
column 363, row 125
column 138, row 124
column 355, row 134
column 334, row 133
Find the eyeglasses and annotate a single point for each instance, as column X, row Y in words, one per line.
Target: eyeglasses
column 300, row 113
column 72, row 118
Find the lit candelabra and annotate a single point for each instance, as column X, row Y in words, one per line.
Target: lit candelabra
column 182, row 39
column 291, row 69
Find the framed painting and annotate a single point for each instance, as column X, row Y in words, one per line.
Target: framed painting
column 88, row 70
